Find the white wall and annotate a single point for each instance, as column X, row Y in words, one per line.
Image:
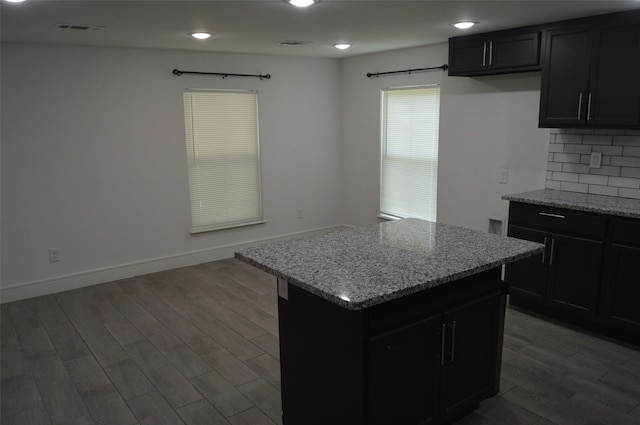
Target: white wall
column 487, row 123
column 93, row 156
column 93, row 159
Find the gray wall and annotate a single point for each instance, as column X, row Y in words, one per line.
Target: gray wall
column 93, row 155
column 94, row 159
column 486, row 124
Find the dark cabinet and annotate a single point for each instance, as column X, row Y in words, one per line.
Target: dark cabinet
column 621, row 298
column 469, row 363
column 588, row 272
column 404, row 374
column 590, row 73
column 565, row 76
column 566, row 276
column 425, row 358
column 529, row 276
column 614, row 83
column 435, row 369
column 495, row 53
column 575, row 270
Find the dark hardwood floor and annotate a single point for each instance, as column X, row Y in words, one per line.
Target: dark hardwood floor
column 199, row 345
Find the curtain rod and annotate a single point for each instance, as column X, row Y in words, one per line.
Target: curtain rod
column 222, row 74
column 409, row 71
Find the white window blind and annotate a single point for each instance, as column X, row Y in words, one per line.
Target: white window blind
column 409, row 152
column 223, row 154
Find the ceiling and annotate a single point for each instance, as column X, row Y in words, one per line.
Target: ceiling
column 260, row 26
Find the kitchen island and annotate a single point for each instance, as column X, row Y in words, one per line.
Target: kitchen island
column 396, row 323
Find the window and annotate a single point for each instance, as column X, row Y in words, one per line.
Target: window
column 409, row 152
column 223, row 155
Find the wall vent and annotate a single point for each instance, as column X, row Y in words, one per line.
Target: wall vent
column 79, row 27
column 495, row 226
column 294, row 43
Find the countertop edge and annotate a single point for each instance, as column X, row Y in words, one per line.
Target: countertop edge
column 533, row 198
column 389, row 296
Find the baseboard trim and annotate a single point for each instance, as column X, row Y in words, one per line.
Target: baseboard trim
column 56, row 284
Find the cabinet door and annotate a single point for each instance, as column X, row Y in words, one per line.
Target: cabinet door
column 614, row 97
column 496, row 53
column 468, row 374
column 404, row 375
column 565, row 77
column 528, row 277
column 622, row 293
column 515, row 51
column 575, row 266
column 467, row 56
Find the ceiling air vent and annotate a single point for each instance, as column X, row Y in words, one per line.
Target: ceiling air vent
column 294, row 43
column 79, row 27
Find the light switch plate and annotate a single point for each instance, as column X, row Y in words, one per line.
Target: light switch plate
column 596, row 160
column 503, row 176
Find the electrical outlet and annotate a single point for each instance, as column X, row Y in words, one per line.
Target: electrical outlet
column 299, row 213
column 596, row 160
column 503, row 177
column 54, row 255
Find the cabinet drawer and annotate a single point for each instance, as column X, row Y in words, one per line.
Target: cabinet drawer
column 558, row 220
column 625, row 231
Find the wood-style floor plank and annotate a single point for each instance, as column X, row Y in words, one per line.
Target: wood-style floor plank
column 199, row 345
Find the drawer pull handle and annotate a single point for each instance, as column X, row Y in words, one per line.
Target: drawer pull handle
column 579, row 106
column 553, row 244
column 444, row 330
column 551, row 215
column 453, row 340
column 545, row 249
column 490, row 53
column 484, row 54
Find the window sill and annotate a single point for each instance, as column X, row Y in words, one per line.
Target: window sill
column 389, row 217
column 203, row 229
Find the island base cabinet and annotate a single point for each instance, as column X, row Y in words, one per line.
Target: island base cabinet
column 321, row 360
column 438, row 369
column 471, row 355
column 404, row 372
column 427, row 358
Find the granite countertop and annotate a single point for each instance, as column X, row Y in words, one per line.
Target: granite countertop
column 601, row 204
column 365, row 266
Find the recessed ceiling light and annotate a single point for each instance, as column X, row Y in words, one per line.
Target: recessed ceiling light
column 14, row 1
column 463, row 25
column 200, row 35
column 342, row 46
column 301, row 3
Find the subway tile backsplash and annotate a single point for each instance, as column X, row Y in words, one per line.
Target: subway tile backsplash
column 570, row 155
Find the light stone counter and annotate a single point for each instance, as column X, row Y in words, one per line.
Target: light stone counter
column 366, row 266
column 611, row 205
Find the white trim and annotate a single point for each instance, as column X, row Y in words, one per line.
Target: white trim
column 52, row 285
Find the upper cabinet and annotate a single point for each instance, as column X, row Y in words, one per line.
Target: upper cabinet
column 495, row 53
column 590, row 67
column 590, row 74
